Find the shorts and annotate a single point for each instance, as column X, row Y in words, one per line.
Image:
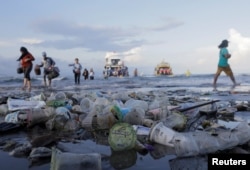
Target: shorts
column 227, row 70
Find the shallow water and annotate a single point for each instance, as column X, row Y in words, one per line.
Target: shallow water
column 157, row 159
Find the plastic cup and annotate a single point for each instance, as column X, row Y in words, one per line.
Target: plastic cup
column 162, row 134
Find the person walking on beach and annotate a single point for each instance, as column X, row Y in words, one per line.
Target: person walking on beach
column 91, row 74
column 105, row 72
column 223, row 65
column 135, row 72
column 85, row 74
column 77, row 67
column 26, row 60
column 48, row 63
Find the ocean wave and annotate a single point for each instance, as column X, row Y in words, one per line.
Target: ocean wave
column 121, row 83
column 57, row 78
column 5, row 79
column 20, row 79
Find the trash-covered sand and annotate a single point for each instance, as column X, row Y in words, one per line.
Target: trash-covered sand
column 133, row 128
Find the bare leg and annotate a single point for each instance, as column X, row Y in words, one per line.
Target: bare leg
column 29, row 85
column 44, row 80
column 24, row 83
column 233, row 79
column 215, row 79
column 49, row 83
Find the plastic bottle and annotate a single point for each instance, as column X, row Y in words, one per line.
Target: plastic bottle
column 119, row 112
column 68, row 161
column 60, row 96
column 135, row 116
column 63, row 111
column 105, row 119
column 164, row 103
column 86, row 105
column 132, row 103
column 55, row 103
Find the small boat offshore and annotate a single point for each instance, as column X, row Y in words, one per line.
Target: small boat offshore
column 163, row 68
column 115, row 67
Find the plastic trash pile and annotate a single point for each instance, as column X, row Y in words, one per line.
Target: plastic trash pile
column 131, row 121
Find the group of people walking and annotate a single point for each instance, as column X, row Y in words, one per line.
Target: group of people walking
column 26, row 59
column 50, row 70
column 77, row 70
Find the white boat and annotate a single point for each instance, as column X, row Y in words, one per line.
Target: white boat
column 114, row 66
column 163, row 68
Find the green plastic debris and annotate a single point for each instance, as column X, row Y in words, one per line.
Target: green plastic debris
column 56, row 103
column 122, row 136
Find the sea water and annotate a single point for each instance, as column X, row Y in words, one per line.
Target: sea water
column 200, row 82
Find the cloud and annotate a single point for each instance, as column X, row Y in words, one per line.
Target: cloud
column 69, row 35
column 5, row 43
column 240, row 49
column 31, row 41
column 129, row 56
column 90, row 44
column 204, row 59
column 169, row 23
column 198, row 61
column 240, row 45
column 133, row 55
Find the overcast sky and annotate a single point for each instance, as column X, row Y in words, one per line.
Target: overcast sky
column 184, row 33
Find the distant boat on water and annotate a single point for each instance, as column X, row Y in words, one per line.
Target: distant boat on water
column 115, row 66
column 188, row 73
column 163, row 68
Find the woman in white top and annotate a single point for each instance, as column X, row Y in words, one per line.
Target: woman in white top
column 77, row 67
column 91, row 74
